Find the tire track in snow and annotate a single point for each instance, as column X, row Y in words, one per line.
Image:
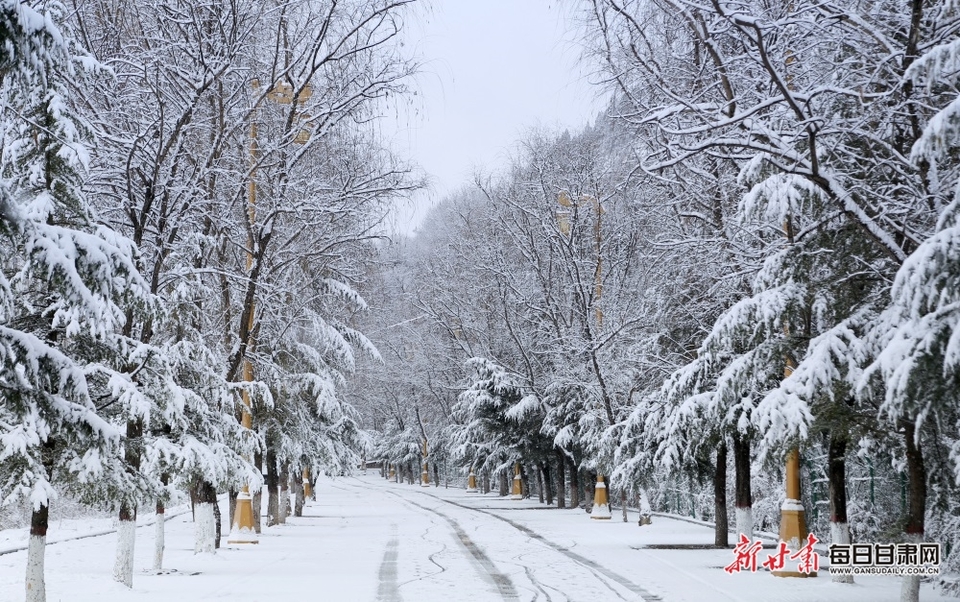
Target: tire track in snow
column 389, row 589
column 502, row 582
column 594, row 567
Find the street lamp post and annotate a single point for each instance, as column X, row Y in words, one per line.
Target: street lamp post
column 516, row 493
column 472, row 481
column 793, row 526
column 601, row 506
column 243, row 530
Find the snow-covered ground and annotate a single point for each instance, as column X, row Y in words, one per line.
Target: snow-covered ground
column 369, row 539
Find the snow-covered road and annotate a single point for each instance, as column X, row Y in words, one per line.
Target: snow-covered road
column 367, row 539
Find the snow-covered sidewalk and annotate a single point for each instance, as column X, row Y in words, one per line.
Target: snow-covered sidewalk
column 369, row 539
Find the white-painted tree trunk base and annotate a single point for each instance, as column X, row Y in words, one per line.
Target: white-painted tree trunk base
column 159, row 542
column 910, row 586
column 745, row 522
column 205, row 530
column 840, row 534
column 36, row 587
column 126, row 538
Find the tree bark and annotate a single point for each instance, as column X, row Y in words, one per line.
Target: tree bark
column 232, row 503
column 503, row 483
column 273, row 487
column 296, row 483
column 561, row 481
column 590, row 488
column 721, row 527
column 916, row 505
column 35, row 584
column 257, row 495
column 574, row 485
column 547, row 481
column 284, row 509
column 837, row 483
column 540, row 491
column 217, row 522
column 744, row 499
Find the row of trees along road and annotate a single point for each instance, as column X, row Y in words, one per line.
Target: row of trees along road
column 753, row 250
column 187, row 191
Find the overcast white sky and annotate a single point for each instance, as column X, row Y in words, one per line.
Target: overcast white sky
column 492, row 69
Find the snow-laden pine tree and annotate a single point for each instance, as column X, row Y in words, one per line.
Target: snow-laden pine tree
column 65, row 284
column 490, row 428
column 915, row 342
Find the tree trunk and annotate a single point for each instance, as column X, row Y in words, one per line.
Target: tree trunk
column 547, row 481
column 205, row 525
column 540, row 492
column 744, row 499
column 503, row 483
column 590, row 487
column 486, row 482
column 561, row 484
column 127, row 527
column 837, row 483
column 574, row 485
column 721, row 527
column 232, row 503
column 257, row 496
column 297, row 482
column 916, row 505
column 284, row 508
column 273, row 487
column 217, row 522
column 159, row 539
column 35, row 584
column 193, row 503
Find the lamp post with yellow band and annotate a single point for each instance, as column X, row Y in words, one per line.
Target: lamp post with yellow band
column 516, row 493
column 601, row 505
column 793, row 526
column 243, row 530
column 472, row 481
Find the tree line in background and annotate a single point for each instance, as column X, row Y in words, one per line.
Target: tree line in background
column 754, row 249
column 188, row 193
